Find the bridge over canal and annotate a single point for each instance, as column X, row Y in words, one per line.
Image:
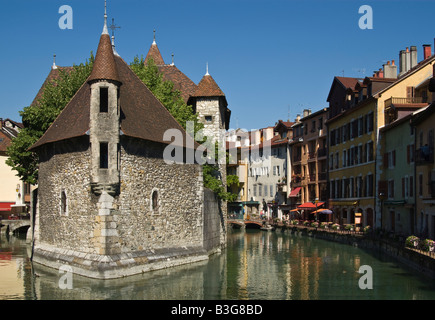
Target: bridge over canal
column 11, row 226
column 238, row 223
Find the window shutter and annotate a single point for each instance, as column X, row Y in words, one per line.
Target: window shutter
column 408, row 154
column 394, row 157
column 403, row 187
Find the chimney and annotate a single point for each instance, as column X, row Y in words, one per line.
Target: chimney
column 380, row 73
column 413, row 56
column 402, row 65
column 305, row 113
column 407, row 60
column 427, row 51
column 390, row 70
column 298, row 118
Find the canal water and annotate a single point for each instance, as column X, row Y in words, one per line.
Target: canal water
column 256, row 265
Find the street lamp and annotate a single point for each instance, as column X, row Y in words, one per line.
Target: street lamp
column 315, row 202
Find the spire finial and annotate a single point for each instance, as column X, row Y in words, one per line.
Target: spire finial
column 207, row 74
column 105, row 31
column 154, row 36
column 54, row 62
column 172, row 59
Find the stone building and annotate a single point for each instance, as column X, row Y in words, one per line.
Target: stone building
column 109, row 205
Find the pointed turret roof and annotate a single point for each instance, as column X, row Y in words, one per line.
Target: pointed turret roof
column 207, row 87
column 104, row 65
column 154, row 53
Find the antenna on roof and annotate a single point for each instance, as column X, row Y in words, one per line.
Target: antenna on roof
column 105, row 31
column 154, row 36
column 207, row 74
column 54, row 62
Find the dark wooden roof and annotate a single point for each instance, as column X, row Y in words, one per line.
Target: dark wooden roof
column 142, row 114
column 53, row 75
column 181, row 82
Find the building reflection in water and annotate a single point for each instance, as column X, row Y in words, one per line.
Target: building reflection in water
column 257, row 265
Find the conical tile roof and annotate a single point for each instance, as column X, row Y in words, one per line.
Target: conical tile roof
column 154, row 53
column 207, row 87
column 104, row 65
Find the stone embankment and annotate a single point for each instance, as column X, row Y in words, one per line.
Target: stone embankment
column 417, row 260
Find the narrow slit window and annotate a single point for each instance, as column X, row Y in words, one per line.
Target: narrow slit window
column 104, row 99
column 63, row 203
column 104, row 155
column 155, row 201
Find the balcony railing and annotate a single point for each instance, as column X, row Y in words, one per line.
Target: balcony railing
column 396, row 100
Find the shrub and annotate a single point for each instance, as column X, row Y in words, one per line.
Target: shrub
column 428, row 245
column 412, row 241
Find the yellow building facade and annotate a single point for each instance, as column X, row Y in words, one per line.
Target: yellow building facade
column 354, row 154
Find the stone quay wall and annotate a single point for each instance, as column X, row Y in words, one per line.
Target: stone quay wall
column 418, row 261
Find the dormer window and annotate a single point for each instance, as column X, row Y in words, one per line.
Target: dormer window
column 104, row 99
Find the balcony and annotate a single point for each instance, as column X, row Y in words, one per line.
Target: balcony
column 402, row 101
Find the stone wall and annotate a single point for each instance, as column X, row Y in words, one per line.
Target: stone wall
column 213, row 222
column 105, row 236
column 61, row 169
column 178, row 220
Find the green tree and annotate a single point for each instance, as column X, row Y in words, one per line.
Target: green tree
column 164, row 91
column 37, row 118
column 173, row 101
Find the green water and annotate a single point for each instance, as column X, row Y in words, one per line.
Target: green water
column 256, row 265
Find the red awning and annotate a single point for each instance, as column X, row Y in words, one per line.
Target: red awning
column 294, row 192
column 6, row 206
column 310, row 205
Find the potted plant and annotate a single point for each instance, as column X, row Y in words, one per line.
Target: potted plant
column 336, row 226
column 366, row 229
column 306, row 223
column 295, row 222
column 412, row 241
column 315, row 224
column 349, row 227
column 428, row 245
column 324, row 225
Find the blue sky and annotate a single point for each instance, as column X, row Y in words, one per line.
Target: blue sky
column 272, row 58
